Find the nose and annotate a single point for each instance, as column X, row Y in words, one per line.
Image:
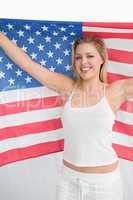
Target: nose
column 84, row 60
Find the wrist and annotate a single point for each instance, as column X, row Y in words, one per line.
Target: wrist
column 1, row 37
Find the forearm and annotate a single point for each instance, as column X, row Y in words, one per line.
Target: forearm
column 129, row 88
column 16, row 54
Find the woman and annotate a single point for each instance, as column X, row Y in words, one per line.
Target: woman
column 90, row 165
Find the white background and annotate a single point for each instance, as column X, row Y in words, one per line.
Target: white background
column 68, row 10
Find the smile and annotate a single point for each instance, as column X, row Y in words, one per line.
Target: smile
column 85, row 69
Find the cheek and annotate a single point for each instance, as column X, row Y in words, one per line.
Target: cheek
column 99, row 62
column 77, row 65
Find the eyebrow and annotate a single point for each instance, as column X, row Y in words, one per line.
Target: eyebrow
column 85, row 53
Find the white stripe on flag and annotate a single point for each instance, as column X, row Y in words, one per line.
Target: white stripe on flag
column 120, row 68
column 122, row 139
column 28, row 140
column 101, row 29
column 29, row 117
column 125, row 117
column 26, row 94
column 120, row 44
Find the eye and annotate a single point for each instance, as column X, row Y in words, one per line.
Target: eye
column 90, row 56
column 77, row 57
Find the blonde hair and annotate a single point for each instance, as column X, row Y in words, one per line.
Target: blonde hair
column 99, row 45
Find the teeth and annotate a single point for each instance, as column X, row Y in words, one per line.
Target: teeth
column 85, row 69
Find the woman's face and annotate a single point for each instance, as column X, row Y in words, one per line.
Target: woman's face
column 87, row 61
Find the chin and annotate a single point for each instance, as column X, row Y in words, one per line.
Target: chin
column 86, row 78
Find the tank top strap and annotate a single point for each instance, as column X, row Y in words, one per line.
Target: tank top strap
column 104, row 89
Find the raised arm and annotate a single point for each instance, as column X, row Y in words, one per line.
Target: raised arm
column 128, row 88
column 120, row 91
column 53, row 80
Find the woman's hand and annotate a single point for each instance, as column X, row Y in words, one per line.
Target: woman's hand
column 1, row 35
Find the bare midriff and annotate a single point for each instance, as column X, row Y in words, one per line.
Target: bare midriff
column 97, row 169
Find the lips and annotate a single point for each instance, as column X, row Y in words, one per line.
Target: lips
column 85, row 69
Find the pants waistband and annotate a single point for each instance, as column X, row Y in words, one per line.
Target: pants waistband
column 91, row 177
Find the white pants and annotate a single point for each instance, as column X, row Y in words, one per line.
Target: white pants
column 75, row 185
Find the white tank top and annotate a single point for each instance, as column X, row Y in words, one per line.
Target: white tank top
column 88, row 134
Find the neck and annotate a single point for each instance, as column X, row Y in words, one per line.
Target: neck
column 91, row 85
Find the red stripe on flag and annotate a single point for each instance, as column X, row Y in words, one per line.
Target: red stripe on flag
column 31, row 151
column 109, row 34
column 127, row 106
column 124, row 152
column 120, row 56
column 119, row 25
column 121, row 127
column 114, row 77
column 31, row 128
column 29, row 105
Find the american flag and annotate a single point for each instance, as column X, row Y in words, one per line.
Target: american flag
column 30, row 113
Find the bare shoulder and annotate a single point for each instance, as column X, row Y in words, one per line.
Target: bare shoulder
column 115, row 93
column 67, row 92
